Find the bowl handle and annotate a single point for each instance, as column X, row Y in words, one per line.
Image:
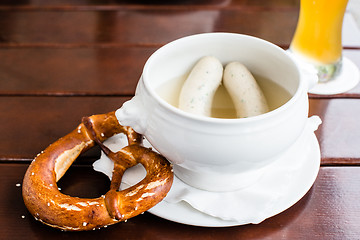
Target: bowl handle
column 133, row 114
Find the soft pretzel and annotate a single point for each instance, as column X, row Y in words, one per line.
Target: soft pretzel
column 48, row 205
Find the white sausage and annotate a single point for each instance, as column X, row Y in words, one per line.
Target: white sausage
column 244, row 91
column 200, row 86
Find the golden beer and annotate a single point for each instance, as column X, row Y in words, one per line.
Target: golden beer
column 317, row 38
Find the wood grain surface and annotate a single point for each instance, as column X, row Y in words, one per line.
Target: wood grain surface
column 323, row 213
column 62, row 60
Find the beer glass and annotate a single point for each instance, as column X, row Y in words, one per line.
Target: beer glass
column 317, row 38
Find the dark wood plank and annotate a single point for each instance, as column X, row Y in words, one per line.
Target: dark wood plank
column 330, row 210
column 30, row 124
column 146, row 3
column 339, row 134
column 92, row 71
column 111, row 71
column 87, row 71
column 139, row 26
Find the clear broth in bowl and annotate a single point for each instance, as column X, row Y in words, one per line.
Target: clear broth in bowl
column 222, row 106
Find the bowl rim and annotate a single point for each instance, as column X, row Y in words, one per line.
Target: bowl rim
column 294, row 98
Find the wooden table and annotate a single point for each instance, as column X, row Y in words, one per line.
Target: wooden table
column 61, row 60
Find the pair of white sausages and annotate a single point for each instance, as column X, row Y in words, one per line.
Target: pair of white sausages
column 198, row 91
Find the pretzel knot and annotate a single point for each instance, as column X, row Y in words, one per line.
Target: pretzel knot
column 48, row 205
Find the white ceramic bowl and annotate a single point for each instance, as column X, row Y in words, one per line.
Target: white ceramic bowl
column 209, row 153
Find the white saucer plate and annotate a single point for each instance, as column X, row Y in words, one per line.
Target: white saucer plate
column 304, row 178
column 347, row 79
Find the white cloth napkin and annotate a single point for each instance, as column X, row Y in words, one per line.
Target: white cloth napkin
column 252, row 204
